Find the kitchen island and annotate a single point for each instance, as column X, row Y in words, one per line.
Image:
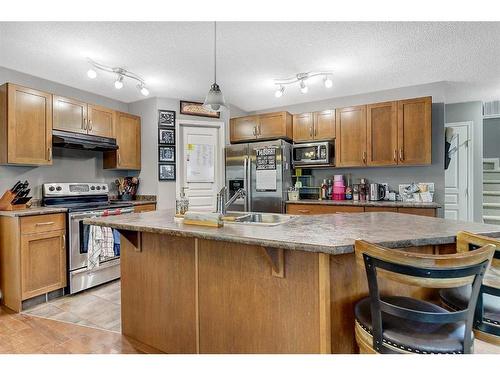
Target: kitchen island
column 249, row 288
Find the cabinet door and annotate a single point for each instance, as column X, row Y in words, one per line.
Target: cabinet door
column 29, row 117
column 128, row 138
column 418, row 211
column 43, row 263
column 145, row 208
column 70, row 115
column 272, row 126
column 324, row 125
column 350, row 136
column 382, row 133
column 101, row 121
column 243, row 129
column 318, row 209
column 415, row 131
column 303, row 127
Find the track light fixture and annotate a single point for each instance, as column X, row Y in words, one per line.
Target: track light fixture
column 121, row 73
column 301, row 78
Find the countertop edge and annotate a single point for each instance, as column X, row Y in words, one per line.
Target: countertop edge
column 366, row 203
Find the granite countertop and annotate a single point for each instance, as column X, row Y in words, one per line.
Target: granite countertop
column 332, row 234
column 34, row 210
column 367, row 203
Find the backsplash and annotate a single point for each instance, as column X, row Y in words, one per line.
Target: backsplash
column 68, row 166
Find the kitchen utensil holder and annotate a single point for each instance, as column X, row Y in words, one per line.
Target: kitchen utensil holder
column 6, row 202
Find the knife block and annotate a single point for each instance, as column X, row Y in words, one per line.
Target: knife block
column 6, row 202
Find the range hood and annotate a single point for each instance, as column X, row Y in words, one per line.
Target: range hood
column 82, row 141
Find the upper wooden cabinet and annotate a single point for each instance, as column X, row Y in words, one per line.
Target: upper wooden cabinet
column 382, row 134
column 70, row 115
column 350, row 142
column 79, row 117
column 415, row 131
column 25, row 126
column 317, row 126
column 261, row 127
column 100, row 121
column 128, row 137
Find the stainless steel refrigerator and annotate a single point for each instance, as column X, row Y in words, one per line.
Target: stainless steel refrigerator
column 263, row 169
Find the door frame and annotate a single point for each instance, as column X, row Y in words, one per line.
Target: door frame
column 202, row 124
column 470, row 165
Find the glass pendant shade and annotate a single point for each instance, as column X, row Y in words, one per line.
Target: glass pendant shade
column 214, row 100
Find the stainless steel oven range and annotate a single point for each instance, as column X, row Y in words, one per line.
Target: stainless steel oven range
column 85, row 200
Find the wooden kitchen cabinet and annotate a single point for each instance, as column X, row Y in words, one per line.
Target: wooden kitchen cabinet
column 266, row 126
column 145, row 208
column 100, row 121
column 25, row 125
column 418, row 211
column 382, row 134
column 350, row 140
column 128, row 138
column 70, row 115
column 317, row 126
column 32, row 257
column 415, row 131
column 317, row 209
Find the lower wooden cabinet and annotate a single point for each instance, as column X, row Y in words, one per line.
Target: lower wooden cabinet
column 318, row 209
column 32, row 257
column 145, row 208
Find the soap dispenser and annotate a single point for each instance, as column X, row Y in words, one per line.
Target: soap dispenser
column 182, row 203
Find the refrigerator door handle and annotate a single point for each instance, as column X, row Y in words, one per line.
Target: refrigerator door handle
column 247, row 182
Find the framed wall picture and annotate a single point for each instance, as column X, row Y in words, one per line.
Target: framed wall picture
column 196, row 109
column 166, row 154
column 166, row 172
column 166, row 136
column 166, row 118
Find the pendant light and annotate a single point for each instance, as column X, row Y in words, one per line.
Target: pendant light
column 214, row 100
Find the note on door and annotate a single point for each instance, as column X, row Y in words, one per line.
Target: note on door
column 200, row 163
column 265, row 165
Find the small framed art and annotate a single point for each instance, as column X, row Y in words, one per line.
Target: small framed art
column 166, row 136
column 166, row 172
column 166, row 118
column 166, row 154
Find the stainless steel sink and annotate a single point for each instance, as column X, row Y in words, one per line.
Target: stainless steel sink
column 259, row 219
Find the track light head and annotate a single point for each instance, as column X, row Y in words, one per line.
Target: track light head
column 119, row 82
column 91, row 73
column 328, row 82
column 303, row 88
column 279, row 92
column 143, row 89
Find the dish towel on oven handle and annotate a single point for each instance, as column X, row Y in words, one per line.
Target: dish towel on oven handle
column 94, row 247
column 108, row 243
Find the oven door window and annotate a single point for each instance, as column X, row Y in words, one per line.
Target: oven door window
column 305, row 153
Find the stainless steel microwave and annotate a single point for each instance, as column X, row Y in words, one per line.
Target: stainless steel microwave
column 315, row 153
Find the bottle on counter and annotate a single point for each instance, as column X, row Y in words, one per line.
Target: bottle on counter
column 182, row 203
column 355, row 192
column 329, row 194
column 324, row 190
column 348, row 188
column 338, row 187
column 363, row 189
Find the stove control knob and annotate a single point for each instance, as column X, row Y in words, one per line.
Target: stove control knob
column 103, row 187
column 51, row 188
column 92, row 187
column 98, row 188
column 58, row 188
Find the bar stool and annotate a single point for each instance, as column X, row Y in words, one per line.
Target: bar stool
column 487, row 318
column 408, row 325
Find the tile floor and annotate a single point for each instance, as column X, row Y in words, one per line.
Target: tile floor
column 98, row 307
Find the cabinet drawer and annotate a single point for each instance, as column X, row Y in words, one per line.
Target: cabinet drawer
column 42, row 223
column 318, row 209
column 418, row 211
column 381, row 209
column 145, row 208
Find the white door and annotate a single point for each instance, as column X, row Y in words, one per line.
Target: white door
column 201, row 164
column 456, row 202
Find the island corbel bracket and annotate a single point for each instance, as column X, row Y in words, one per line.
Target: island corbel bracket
column 276, row 259
column 133, row 237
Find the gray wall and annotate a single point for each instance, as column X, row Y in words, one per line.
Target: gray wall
column 68, row 165
column 148, row 110
column 392, row 175
column 472, row 111
column 491, row 138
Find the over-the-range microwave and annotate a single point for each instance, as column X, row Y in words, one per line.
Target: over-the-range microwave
column 313, row 154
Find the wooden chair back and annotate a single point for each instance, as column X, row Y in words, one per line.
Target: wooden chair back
column 426, row 270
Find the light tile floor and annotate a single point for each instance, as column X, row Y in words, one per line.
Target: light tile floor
column 98, row 307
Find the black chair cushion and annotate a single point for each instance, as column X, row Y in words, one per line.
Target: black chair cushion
column 412, row 336
column 458, row 299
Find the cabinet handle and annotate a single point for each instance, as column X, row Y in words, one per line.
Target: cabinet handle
column 396, row 155
column 255, row 131
column 49, row 150
column 64, row 241
column 90, row 127
column 304, row 211
column 401, row 155
column 119, row 158
column 310, row 131
column 84, row 124
column 260, row 133
column 364, row 157
column 45, row 223
column 315, row 131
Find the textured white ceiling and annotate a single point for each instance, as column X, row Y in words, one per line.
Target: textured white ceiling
column 176, row 58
